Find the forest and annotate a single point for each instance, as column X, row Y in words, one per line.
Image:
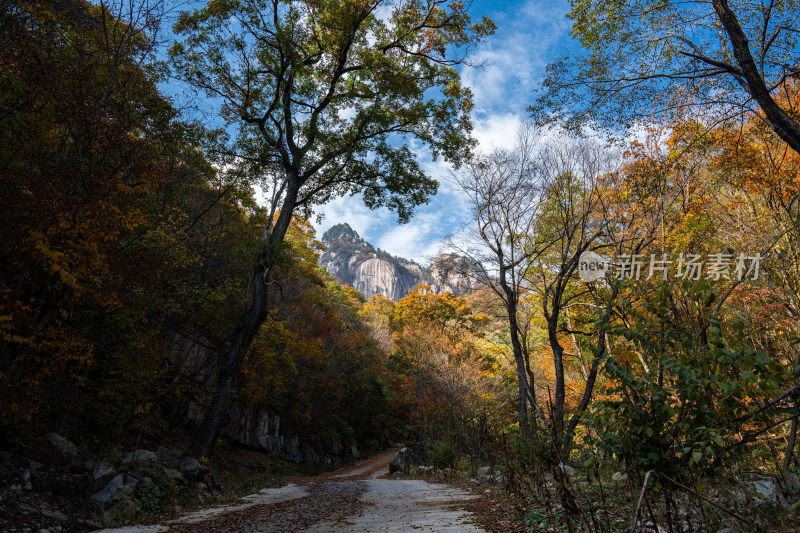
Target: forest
column 624, row 354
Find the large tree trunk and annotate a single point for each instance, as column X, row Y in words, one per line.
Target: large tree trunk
column 231, row 365
column 519, row 360
column 208, row 431
column 786, row 127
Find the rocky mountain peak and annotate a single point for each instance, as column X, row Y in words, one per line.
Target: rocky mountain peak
column 341, row 232
column 352, row 260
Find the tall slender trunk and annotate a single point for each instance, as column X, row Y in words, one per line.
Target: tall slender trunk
column 519, row 359
column 558, row 364
column 787, row 462
column 601, row 349
column 569, row 432
column 208, row 431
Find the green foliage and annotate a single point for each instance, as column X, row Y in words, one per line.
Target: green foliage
column 148, row 497
column 444, row 455
column 349, row 83
column 422, row 305
column 684, row 403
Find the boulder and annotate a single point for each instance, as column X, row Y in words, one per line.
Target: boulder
column 168, row 454
column 53, row 449
column 409, row 456
column 194, row 471
column 765, row 490
column 139, row 458
column 619, row 476
column 100, row 474
column 127, row 489
column 109, row 491
column 568, row 470
column 173, row 475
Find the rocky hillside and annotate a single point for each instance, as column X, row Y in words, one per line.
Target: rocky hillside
column 352, row 260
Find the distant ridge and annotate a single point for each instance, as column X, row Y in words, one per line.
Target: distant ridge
column 352, row 260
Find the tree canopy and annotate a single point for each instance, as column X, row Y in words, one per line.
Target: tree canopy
column 724, row 61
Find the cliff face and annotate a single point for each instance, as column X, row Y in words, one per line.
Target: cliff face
column 450, row 272
column 195, row 362
column 352, row 260
column 378, row 275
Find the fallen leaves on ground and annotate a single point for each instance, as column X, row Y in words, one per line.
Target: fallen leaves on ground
column 327, row 501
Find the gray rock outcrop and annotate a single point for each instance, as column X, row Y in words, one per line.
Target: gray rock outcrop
column 53, row 449
column 194, row 361
column 101, row 473
column 139, row 458
column 416, row 454
column 451, row 273
column 109, row 491
column 382, row 276
column 352, row 260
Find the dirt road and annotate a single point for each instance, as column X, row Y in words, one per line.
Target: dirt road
column 352, row 499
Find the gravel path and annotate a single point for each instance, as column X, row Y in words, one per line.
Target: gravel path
column 405, row 505
column 352, row 499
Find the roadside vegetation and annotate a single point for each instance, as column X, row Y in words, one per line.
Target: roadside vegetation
column 168, row 337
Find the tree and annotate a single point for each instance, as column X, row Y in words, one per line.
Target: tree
column 322, row 93
column 647, row 57
column 504, row 196
column 87, row 144
column 690, row 407
column 451, row 385
column 376, row 313
column 752, row 176
column 423, row 305
column 574, row 218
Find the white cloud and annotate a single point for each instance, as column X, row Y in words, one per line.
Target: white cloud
column 349, row 209
column 497, row 130
column 509, row 65
column 412, row 240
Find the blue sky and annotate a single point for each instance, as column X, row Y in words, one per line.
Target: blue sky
column 530, row 34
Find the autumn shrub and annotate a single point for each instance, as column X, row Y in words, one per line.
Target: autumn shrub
column 683, row 402
column 444, row 455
